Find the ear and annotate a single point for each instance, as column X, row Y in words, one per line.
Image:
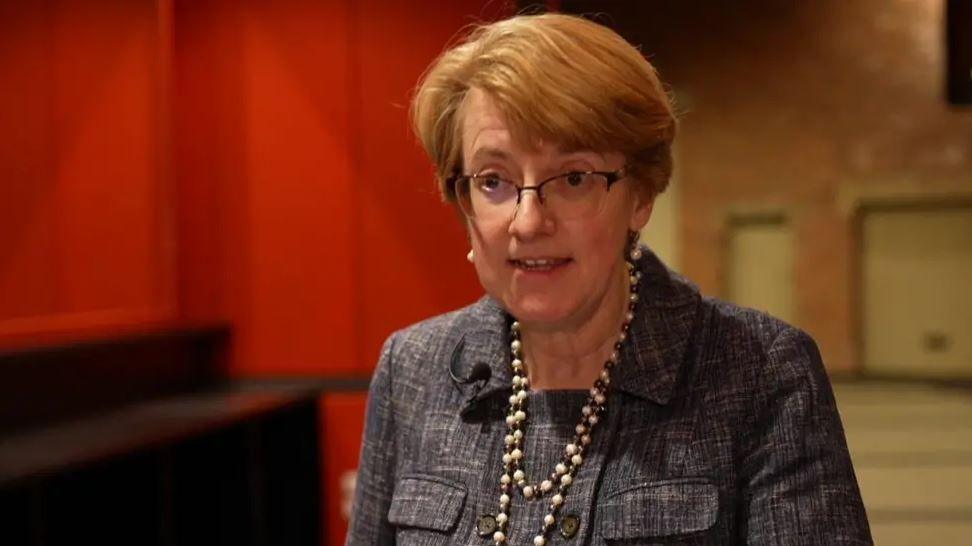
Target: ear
column 644, row 202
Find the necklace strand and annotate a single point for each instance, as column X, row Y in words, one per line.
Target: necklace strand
column 514, row 477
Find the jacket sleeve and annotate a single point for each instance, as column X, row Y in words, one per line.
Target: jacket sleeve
column 799, row 486
column 376, row 470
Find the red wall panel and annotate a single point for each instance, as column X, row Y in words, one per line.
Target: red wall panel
column 411, row 247
column 208, row 147
column 263, row 169
column 273, row 182
column 84, row 218
column 307, row 211
column 299, row 175
column 28, row 238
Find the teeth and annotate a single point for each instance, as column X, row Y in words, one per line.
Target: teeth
column 541, row 263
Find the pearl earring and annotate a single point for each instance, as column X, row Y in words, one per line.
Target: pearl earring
column 471, row 256
column 635, row 251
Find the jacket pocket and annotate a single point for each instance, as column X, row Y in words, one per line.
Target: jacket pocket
column 426, row 502
column 660, row 510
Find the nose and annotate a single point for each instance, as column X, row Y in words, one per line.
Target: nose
column 530, row 218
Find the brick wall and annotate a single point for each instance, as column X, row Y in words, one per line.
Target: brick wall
column 800, row 107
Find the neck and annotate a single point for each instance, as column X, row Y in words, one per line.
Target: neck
column 571, row 357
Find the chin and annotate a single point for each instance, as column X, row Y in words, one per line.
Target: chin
column 539, row 311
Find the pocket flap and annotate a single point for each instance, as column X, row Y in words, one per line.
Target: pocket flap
column 660, row 509
column 429, row 502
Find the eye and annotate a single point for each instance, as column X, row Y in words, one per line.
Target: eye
column 490, row 182
column 575, row 179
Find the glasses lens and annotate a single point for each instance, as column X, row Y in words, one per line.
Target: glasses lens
column 575, row 195
column 491, row 197
column 463, row 196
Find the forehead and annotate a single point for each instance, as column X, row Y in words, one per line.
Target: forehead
column 486, row 132
column 482, row 120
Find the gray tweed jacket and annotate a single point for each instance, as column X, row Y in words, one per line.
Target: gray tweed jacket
column 721, row 428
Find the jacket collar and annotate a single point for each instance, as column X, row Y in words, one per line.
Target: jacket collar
column 657, row 340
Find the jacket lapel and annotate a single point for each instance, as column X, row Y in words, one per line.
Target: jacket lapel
column 482, row 339
column 665, row 320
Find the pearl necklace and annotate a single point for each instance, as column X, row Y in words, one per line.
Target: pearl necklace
column 565, row 471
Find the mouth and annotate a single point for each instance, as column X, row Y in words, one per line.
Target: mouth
column 539, row 264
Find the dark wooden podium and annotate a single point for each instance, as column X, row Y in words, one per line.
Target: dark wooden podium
column 138, row 440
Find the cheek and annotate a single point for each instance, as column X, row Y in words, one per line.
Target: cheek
column 598, row 245
column 490, row 245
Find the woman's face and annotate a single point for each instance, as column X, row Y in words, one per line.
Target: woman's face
column 583, row 256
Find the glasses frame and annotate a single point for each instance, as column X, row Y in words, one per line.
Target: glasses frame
column 610, row 177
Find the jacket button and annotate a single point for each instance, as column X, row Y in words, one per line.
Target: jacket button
column 486, row 525
column 569, row 526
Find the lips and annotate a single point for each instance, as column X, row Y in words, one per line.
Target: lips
column 539, row 264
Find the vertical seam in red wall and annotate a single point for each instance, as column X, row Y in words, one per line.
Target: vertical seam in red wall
column 55, row 140
column 165, row 179
column 355, row 152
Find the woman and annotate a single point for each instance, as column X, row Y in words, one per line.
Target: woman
column 592, row 396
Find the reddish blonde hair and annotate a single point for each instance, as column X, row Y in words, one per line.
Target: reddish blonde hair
column 558, row 78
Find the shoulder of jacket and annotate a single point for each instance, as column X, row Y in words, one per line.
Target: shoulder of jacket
column 428, row 338
column 728, row 323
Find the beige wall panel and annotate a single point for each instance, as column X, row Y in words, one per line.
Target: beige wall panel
column 939, row 487
column 906, row 533
column 760, row 273
column 661, row 232
column 917, row 308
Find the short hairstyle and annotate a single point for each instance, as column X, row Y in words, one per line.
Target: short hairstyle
column 559, row 78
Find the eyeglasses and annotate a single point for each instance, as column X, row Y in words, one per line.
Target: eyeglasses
column 567, row 196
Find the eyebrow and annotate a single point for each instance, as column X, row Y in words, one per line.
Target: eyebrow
column 489, row 153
